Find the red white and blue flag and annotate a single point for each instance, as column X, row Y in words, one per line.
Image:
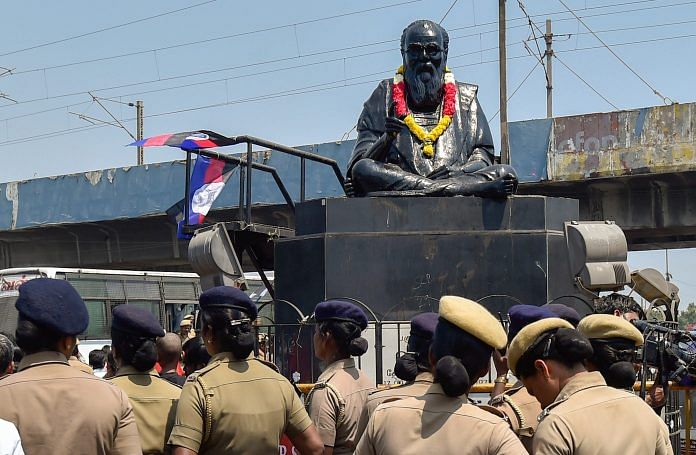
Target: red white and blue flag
column 191, row 140
column 207, row 181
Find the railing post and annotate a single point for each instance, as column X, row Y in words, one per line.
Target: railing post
column 303, row 176
column 378, row 353
column 249, row 160
column 242, row 172
column 687, row 417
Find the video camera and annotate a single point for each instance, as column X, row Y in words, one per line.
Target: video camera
column 671, row 351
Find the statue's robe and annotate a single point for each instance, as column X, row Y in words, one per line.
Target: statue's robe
column 467, row 139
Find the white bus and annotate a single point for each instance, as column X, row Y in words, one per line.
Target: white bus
column 168, row 295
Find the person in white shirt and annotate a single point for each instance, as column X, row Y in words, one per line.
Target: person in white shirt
column 10, row 443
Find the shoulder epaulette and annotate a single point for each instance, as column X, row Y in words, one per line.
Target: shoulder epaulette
column 547, row 409
column 193, row 376
column 270, row 365
column 341, row 401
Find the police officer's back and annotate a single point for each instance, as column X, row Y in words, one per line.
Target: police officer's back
column 442, row 421
column 237, row 404
column 412, row 367
column 133, row 333
column 337, row 403
column 57, row 408
column 581, row 413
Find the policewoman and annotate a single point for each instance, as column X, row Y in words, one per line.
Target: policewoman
column 413, row 366
column 580, row 412
column 56, row 408
column 336, row 403
column 442, row 421
column 134, row 332
column 614, row 342
column 520, row 408
column 237, row 404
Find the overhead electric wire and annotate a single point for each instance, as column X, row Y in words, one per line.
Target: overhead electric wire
column 235, row 35
column 337, row 84
column 586, row 83
column 448, row 11
column 113, row 27
column 519, row 86
column 208, row 40
column 655, row 91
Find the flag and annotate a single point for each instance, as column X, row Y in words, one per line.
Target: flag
column 191, row 140
column 207, row 181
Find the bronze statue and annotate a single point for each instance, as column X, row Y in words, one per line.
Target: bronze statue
column 423, row 133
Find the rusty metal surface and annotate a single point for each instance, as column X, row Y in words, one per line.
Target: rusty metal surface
column 643, row 141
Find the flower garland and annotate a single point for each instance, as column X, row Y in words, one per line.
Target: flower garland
column 402, row 112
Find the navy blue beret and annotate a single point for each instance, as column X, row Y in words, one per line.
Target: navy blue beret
column 564, row 312
column 523, row 315
column 136, row 321
column 423, row 325
column 340, row 310
column 53, row 304
column 228, row 297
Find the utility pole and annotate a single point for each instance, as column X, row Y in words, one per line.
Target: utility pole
column 548, row 37
column 139, row 132
column 502, row 57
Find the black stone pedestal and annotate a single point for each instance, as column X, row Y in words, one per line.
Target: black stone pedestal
column 400, row 255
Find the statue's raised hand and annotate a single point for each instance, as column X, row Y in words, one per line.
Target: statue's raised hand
column 393, row 126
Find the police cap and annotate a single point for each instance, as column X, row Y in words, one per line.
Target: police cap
column 474, row 319
column 608, row 326
column 53, row 304
column 136, row 321
column 564, row 312
column 340, row 310
column 228, row 297
column 528, row 336
column 523, row 315
column 423, row 325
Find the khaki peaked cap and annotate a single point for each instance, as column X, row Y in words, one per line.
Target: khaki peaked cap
column 528, row 336
column 607, row 326
column 474, row 319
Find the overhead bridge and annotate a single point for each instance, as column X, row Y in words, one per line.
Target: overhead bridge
column 636, row 167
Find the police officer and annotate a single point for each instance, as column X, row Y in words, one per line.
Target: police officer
column 133, row 334
column 412, row 367
column 57, row 408
column 237, row 404
column 580, row 410
column 521, row 408
column 442, row 421
column 614, row 343
column 337, row 401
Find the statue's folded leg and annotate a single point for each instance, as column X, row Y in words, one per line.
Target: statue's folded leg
column 498, row 180
column 494, row 181
column 371, row 176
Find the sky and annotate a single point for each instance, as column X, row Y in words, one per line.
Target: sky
column 298, row 72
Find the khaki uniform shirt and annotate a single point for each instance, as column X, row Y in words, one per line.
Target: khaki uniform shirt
column 336, row 405
column 589, row 417
column 522, row 411
column 437, row 424
column 75, row 362
column 237, row 406
column 61, row 410
column 154, row 405
column 416, row 388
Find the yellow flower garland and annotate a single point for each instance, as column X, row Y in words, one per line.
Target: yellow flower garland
column 427, row 138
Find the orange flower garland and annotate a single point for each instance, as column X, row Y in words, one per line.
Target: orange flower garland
column 402, row 111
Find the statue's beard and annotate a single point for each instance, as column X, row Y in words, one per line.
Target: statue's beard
column 424, row 87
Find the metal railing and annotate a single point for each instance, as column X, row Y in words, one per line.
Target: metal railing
column 245, row 175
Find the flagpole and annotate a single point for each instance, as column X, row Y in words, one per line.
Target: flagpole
column 188, row 190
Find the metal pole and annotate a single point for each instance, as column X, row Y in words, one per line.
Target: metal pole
column 378, row 353
column 139, row 132
column 548, row 37
column 502, row 56
column 249, row 160
column 187, row 209
column 687, row 417
column 242, row 172
column 303, row 176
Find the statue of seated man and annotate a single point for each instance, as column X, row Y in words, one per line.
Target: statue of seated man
column 423, row 133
